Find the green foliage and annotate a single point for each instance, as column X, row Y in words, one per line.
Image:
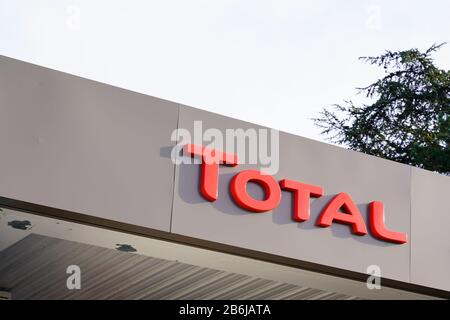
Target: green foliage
column 409, row 119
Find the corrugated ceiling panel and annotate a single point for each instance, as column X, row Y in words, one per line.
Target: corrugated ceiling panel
column 35, row 268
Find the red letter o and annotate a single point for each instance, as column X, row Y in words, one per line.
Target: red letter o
column 238, row 188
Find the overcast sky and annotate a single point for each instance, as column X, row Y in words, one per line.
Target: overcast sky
column 274, row 63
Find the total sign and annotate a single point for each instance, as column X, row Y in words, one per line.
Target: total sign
column 340, row 208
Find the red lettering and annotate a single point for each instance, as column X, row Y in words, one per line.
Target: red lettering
column 377, row 225
column 301, row 195
column 238, row 188
column 340, row 209
column 352, row 216
column 210, row 158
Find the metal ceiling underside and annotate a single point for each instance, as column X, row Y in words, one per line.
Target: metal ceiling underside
column 35, row 268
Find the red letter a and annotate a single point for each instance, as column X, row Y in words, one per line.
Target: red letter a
column 352, row 216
